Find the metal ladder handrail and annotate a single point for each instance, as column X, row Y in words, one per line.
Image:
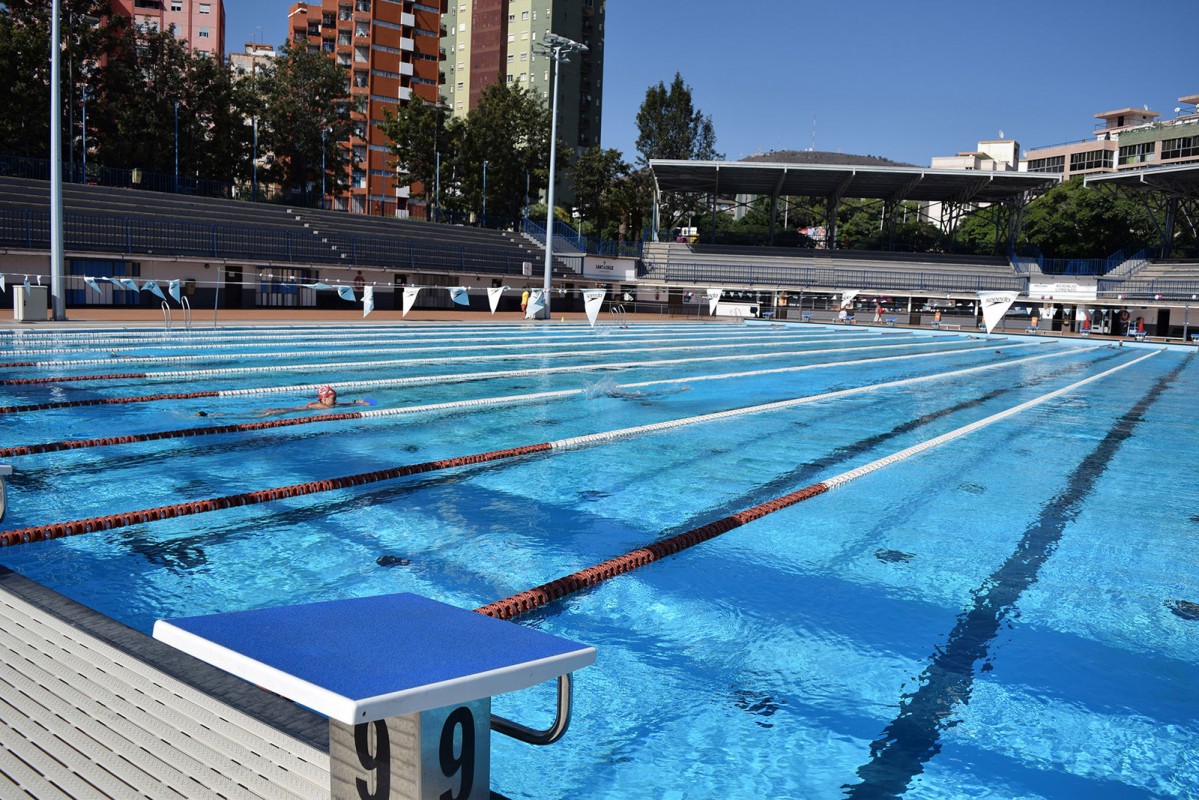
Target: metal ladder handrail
column 619, row 316
column 551, row 734
column 166, row 314
column 187, row 312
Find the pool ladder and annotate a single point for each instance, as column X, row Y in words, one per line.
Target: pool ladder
column 619, row 316
column 187, row 314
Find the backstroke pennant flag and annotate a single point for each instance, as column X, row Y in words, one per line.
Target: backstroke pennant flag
column 28, row 291
column 89, row 281
column 493, row 296
column 368, row 300
column 847, row 299
column 713, row 297
column 535, row 303
column 459, row 296
column 129, row 284
column 410, row 293
column 994, row 306
column 173, row 288
column 347, row 293
column 152, row 286
column 593, row 299
column 1, row 281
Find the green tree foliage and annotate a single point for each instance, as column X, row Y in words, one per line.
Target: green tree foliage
column 596, row 176
column 305, row 116
column 670, row 127
column 509, row 129
column 417, row 132
column 25, row 63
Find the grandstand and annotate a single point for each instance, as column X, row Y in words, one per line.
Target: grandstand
column 123, row 224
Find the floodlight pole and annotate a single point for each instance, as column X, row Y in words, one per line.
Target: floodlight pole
column 56, row 246
column 559, row 49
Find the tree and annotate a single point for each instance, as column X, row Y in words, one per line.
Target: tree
column 25, row 63
column 306, row 122
column 670, row 127
column 509, row 129
column 596, row 176
column 133, row 115
column 417, row 133
column 1072, row 221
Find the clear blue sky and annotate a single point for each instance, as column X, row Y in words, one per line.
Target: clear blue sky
column 903, row 80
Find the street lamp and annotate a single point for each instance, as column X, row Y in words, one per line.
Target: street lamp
column 84, row 129
column 484, row 194
column 57, row 279
column 323, row 132
column 559, row 49
column 254, row 190
column 176, row 146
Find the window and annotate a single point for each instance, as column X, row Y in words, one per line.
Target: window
column 512, row 18
column 511, row 78
column 524, row 56
column 461, row 29
column 1186, row 147
column 511, row 58
column 176, row 5
column 203, row 33
column 1136, row 153
column 205, row 8
column 1092, row 159
column 512, row 37
column 524, row 15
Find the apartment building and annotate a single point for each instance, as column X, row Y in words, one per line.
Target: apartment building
column 1128, row 138
column 200, row 23
column 489, row 41
column 393, row 52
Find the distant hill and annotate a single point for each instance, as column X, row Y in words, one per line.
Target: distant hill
column 821, row 157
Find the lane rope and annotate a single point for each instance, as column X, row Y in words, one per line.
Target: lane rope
column 79, row 444
column 207, row 373
column 459, row 378
column 39, row 533
column 530, row 599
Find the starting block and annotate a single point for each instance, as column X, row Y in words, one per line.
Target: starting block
column 405, row 681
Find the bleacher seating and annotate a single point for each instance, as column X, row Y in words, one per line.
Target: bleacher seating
column 830, row 269
column 126, row 221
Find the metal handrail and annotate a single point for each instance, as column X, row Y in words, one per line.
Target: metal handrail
column 619, row 316
column 187, row 313
column 551, row 734
column 166, row 314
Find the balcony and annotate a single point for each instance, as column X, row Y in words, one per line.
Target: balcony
column 407, row 44
column 408, row 20
column 405, row 93
column 405, row 68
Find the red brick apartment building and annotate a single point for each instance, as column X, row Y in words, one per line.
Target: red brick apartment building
column 200, row 23
column 393, row 51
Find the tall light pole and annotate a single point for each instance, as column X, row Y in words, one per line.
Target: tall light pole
column 176, row 145
column 84, row 132
column 57, row 280
column 254, row 190
column 484, row 194
column 559, row 49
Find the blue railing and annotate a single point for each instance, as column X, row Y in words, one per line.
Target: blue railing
column 567, row 239
column 97, row 175
column 30, row 230
column 1167, row 288
column 828, row 277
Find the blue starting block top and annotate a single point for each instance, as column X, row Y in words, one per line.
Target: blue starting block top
column 370, row 658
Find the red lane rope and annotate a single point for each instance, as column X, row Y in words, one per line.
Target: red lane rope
column 546, row 593
column 68, row 378
column 104, row 401
column 40, row 533
column 79, row 444
column 19, row 364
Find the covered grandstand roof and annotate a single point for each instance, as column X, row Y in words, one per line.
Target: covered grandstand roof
column 1181, row 180
column 843, row 180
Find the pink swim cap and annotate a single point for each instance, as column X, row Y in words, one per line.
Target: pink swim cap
column 325, row 391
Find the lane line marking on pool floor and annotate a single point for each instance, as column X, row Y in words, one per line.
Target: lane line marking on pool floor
column 111, row 521
column 530, row 599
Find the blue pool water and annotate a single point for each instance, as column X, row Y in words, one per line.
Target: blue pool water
column 1004, row 615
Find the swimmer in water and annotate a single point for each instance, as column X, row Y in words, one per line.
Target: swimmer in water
column 621, row 393
column 326, row 398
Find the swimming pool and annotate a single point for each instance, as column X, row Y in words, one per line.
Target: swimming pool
column 1002, row 615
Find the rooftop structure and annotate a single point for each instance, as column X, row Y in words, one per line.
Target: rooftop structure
column 256, row 55
column 1128, row 138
